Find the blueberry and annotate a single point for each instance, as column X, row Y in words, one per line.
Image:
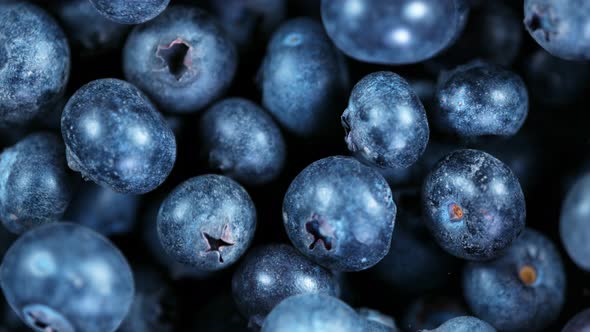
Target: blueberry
column 130, row 12
column 521, row 290
column 429, row 312
column 183, row 60
column 414, row 264
column 242, row 141
column 393, row 32
column 377, row 322
column 207, row 222
column 559, row 26
column 579, row 323
column 76, row 280
column 87, row 29
column 35, row 186
column 340, row 213
column 302, row 78
column 103, row 210
column 272, row 273
column 246, row 21
column 555, row 82
column 34, row 62
column 473, row 205
column 481, row 99
column 385, row 122
column 312, row 312
column 464, row 324
column 573, row 222
column 116, row 137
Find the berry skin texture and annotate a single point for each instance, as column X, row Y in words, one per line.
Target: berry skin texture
column 130, row 12
column 182, row 60
column 385, row 122
column 207, row 222
column 313, row 312
column 464, row 324
column 559, row 26
column 481, row 99
column 87, row 29
column 393, row 32
column 375, row 321
column 115, row 137
column 35, row 186
column 340, row 213
column 302, row 78
column 242, row 141
column 103, row 210
column 76, row 280
column 473, row 205
column 578, row 323
column 523, row 290
column 272, row 273
column 34, row 62
column 573, row 223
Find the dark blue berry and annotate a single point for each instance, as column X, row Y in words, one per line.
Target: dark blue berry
column 385, row 122
column 579, row 323
column 393, row 32
column 115, row 137
column 242, row 141
column 272, row 273
column 464, row 324
column 76, row 280
column 130, row 12
column 473, row 205
column 35, row 185
column 340, row 213
column 522, row 290
column 34, row 62
column 573, row 223
column 183, row 60
column 207, row 222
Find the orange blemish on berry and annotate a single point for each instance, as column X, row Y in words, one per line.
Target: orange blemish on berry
column 528, row 275
column 456, row 212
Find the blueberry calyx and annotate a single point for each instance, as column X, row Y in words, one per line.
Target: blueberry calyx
column 541, row 20
column 176, row 56
column 217, row 244
column 321, row 232
column 44, row 319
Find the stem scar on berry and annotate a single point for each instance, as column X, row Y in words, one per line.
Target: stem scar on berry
column 528, row 275
column 455, row 212
column 216, row 244
column 321, row 231
column 176, row 57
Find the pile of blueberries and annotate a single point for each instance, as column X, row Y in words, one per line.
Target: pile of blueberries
column 294, row 165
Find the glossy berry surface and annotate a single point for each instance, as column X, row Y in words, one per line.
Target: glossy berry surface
column 473, row 205
column 34, row 62
column 522, row 290
column 89, row 288
column 35, row 185
column 115, row 137
column 103, row 210
column 130, row 12
column 579, row 323
column 573, row 222
column 340, row 213
column 207, row 222
column 272, row 273
column 559, row 26
column 464, row 324
column 393, row 32
column 480, row 99
column 182, row 60
column 302, row 77
column 242, row 141
column 87, row 28
column 315, row 312
column 385, row 122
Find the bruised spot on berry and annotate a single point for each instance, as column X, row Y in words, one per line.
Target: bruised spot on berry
column 528, row 275
column 455, row 212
